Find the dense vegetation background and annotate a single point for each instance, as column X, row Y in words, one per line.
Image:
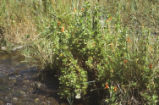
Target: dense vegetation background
column 101, row 51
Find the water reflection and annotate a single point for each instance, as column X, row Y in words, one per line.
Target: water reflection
column 20, row 85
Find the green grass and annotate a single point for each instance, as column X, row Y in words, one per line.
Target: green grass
column 116, row 61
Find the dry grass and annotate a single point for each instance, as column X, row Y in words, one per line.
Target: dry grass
column 18, row 21
column 22, row 33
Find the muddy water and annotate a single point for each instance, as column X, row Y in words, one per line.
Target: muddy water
column 20, row 85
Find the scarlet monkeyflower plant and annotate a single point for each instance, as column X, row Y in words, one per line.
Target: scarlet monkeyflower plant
column 108, row 62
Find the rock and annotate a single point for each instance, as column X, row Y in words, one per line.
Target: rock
column 22, row 93
column 36, row 100
column 17, row 48
column 15, row 99
column 9, row 104
column 3, row 48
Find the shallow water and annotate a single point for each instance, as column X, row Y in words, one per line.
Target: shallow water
column 20, row 85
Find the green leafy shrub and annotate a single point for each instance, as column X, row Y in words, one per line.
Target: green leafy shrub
column 108, row 61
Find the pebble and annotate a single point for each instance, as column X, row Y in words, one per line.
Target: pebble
column 15, row 99
column 3, row 48
column 38, row 84
column 9, row 104
column 36, row 100
column 22, row 93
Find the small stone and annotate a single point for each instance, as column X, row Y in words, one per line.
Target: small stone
column 38, row 84
column 36, row 100
column 3, row 48
column 9, row 104
column 15, row 99
column 22, row 93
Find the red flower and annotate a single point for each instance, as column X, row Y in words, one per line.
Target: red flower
column 74, row 9
column 58, row 23
column 125, row 61
column 106, row 86
column 109, row 19
column 82, row 9
column 62, row 29
column 150, row 66
column 115, row 88
column 128, row 40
